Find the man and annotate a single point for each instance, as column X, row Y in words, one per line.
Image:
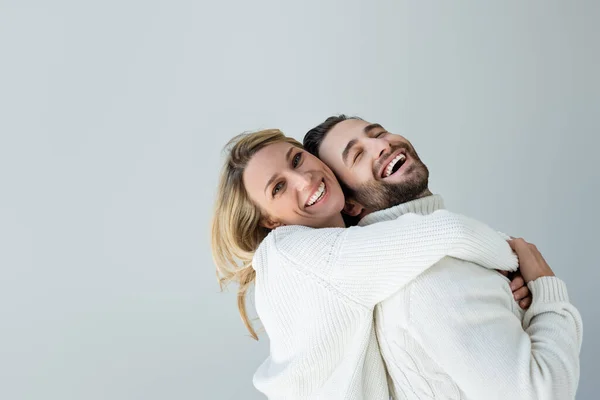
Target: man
column 455, row 332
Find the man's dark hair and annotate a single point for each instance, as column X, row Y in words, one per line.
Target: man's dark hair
column 314, row 137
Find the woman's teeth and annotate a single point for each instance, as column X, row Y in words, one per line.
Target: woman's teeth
column 390, row 167
column 318, row 194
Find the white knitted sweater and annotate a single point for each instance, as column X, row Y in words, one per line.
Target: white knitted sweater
column 316, row 290
column 455, row 332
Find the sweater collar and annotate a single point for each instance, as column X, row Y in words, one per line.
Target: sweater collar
column 423, row 206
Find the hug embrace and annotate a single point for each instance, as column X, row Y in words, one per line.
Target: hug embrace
column 369, row 289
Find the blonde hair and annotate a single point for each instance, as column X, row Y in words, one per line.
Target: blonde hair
column 236, row 225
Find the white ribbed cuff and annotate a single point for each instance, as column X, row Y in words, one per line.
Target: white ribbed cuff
column 504, row 235
column 548, row 289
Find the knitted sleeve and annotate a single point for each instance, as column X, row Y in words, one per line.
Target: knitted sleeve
column 368, row 264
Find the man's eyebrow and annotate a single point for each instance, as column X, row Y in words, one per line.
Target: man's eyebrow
column 353, row 142
column 368, row 128
column 347, row 149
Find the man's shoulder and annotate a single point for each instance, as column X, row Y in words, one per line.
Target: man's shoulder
column 447, row 277
column 450, row 273
column 454, row 285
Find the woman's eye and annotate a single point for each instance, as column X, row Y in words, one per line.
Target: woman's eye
column 277, row 188
column 296, row 160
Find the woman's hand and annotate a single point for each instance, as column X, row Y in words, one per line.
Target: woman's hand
column 531, row 263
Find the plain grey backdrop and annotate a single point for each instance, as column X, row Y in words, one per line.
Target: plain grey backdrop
column 113, row 115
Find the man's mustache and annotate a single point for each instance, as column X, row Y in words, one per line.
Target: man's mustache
column 399, row 146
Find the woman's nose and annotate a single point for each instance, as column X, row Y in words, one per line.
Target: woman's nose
column 303, row 180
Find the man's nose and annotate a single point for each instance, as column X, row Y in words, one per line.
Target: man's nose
column 379, row 147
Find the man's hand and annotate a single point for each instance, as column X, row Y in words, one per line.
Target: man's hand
column 520, row 290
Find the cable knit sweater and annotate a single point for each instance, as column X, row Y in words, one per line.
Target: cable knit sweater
column 456, row 332
column 316, row 290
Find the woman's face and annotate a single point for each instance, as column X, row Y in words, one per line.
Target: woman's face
column 293, row 187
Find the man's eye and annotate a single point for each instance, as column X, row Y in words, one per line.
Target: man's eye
column 296, row 160
column 357, row 156
column 380, row 134
column 277, row 188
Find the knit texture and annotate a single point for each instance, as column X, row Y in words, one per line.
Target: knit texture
column 455, row 332
column 316, row 290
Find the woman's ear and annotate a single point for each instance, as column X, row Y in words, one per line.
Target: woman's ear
column 270, row 223
column 352, row 208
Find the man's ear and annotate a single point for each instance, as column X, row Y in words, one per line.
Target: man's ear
column 352, row 208
column 270, row 223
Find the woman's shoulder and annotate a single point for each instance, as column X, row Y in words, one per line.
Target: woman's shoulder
column 296, row 237
column 300, row 244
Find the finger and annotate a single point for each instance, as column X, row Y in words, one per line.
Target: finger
column 524, row 252
column 525, row 303
column 517, row 244
column 521, row 293
column 517, row 283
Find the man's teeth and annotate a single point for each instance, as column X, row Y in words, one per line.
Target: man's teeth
column 390, row 167
column 318, row 194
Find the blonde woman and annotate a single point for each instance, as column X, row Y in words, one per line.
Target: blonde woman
column 278, row 224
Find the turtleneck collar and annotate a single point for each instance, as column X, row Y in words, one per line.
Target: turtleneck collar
column 423, row 206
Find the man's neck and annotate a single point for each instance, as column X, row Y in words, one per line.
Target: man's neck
column 366, row 212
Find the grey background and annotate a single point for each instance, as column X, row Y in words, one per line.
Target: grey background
column 113, row 115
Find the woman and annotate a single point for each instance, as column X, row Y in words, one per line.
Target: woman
column 316, row 288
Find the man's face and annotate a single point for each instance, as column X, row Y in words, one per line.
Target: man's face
column 381, row 169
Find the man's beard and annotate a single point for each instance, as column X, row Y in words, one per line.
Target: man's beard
column 379, row 194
